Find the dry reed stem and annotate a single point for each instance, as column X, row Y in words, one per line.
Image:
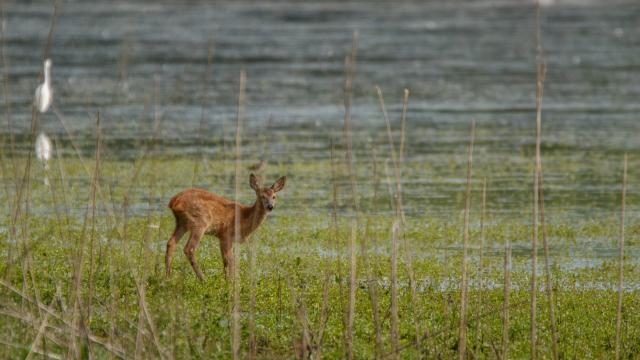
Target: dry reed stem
column 350, row 64
column 398, row 161
column 462, row 341
column 41, row 330
column 76, row 332
column 540, row 75
column 350, row 67
column 371, row 289
column 305, row 349
column 147, row 316
column 235, row 283
column 506, row 295
column 372, row 279
column 5, row 92
column 394, row 158
column 23, row 186
column 394, row 287
column 447, row 330
column 80, row 315
column 324, row 316
column 481, row 259
column 110, row 211
column 253, row 345
column 336, row 234
column 403, row 124
column 408, row 252
column 621, row 260
column 352, row 289
column 547, row 268
column 94, row 181
column 205, row 91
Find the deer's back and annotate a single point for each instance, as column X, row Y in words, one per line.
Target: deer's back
column 198, row 208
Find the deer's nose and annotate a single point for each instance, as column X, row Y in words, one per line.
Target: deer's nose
column 269, row 207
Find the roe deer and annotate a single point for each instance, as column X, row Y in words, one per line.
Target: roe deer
column 202, row 212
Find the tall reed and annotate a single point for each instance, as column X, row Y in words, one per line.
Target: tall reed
column 621, row 260
column 235, row 278
column 394, row 288
column 481, row 262
column 94, row 181
column 350, row 65
column 540, row 75
column 371, row 264
column 205, row 91
column 507, row 293
column 548, row 281
column 415, row 308
column 462, row 341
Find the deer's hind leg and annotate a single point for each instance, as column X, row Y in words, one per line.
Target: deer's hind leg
column 190, row 250
column 180, row 230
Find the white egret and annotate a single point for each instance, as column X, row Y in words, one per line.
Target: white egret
column 44, row 93
column 43, row 153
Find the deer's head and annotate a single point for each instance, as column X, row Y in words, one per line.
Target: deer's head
column 267, row 195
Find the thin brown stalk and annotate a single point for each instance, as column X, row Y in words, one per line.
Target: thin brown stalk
column 547, row 268
column 394, row 158
column 6, row 90
column 336, row 233
column 305, row 347
column 350, row 65
column 449, row 329
column 507, row 294
column 462, row 342
column 540, row 74
column 253, row 345
column 41, row 330
column 481, row 260
column 394, row 287
column 235, row 312
column 407, row 251
column 399, row 210
column 372, row 279
column 324, row 316
column 149, row 319
column 205, row 92
column 45, row 354
column 140, row 334
column 403, row 124
column 94, row 181
column 73, row 330
column 85, row 167
column 621, row 261
column 24, row 185
column 352, row 288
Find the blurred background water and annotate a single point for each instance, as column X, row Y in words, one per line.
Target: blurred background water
column 133, row 61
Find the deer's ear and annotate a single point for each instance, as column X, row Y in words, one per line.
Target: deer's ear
column 253, row 182
column 279, row 184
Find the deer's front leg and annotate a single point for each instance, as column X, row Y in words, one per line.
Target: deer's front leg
column 226, row 249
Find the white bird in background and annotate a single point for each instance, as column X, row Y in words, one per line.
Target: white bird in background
column 43, row 153
column 44, row 94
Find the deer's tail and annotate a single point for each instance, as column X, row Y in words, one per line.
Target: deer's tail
column 173, row 203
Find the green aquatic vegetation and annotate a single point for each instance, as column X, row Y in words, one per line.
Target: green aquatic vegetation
column 299, row 248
